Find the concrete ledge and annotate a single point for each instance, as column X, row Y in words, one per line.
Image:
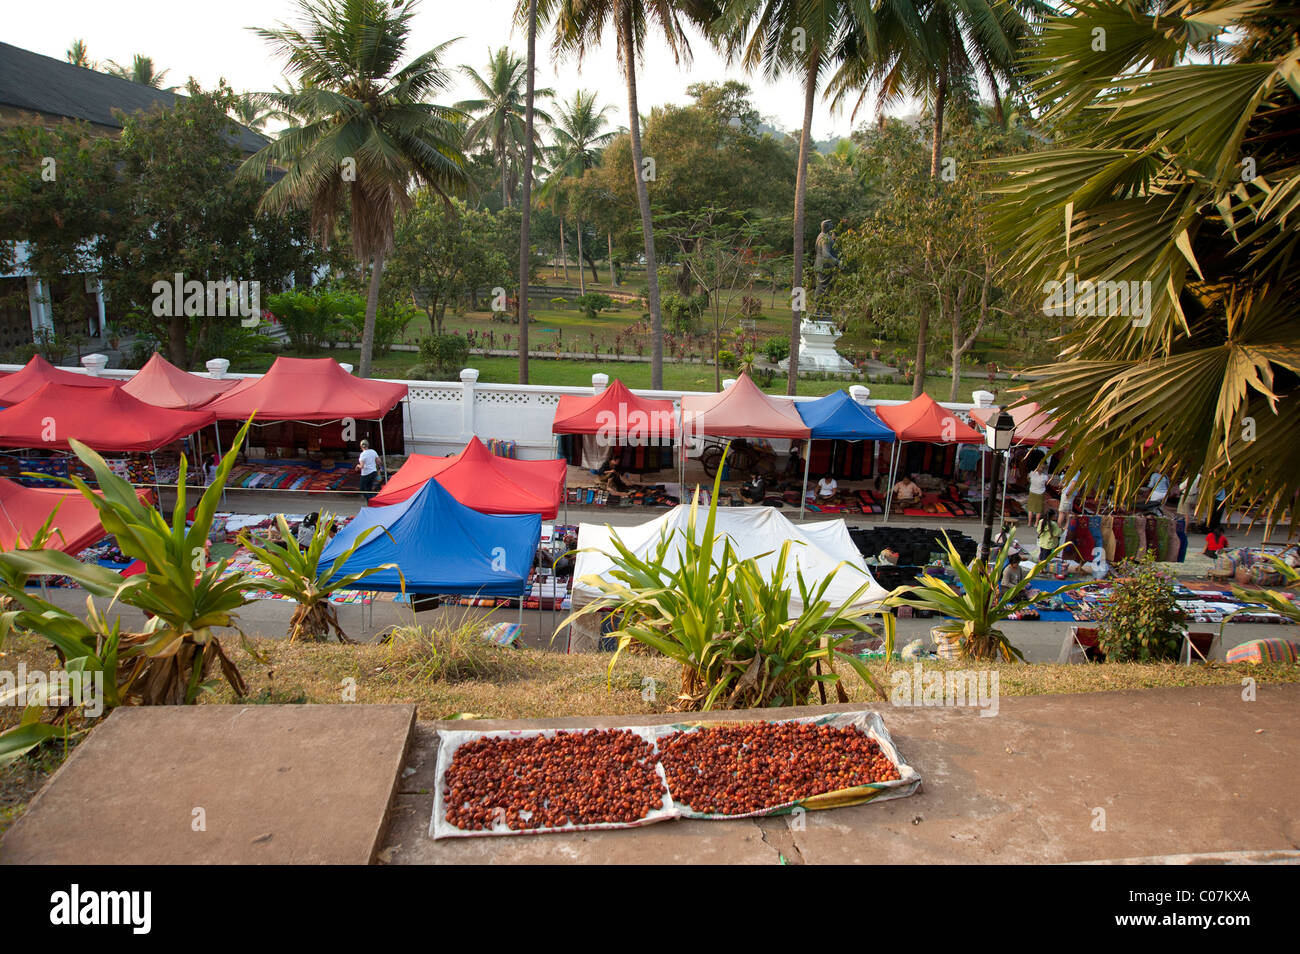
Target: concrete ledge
column 1187, row 776
column 264, row 784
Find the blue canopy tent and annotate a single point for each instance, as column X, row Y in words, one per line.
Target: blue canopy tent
column 838, row 417
column 441, row 546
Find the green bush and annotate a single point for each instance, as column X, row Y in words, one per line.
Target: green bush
column 776, row 349
column 728, row 359
column 390, row 322
column 313, row 320
column 593, row 303
column 1141, row 621
column 683, row 311
column 443, row 356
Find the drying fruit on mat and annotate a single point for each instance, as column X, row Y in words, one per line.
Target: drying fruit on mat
column 742, row 769
column 601, row 776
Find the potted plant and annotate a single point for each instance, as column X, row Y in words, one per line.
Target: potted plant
column 974, row 610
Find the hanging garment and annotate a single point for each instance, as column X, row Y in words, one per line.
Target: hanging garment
column 1153, row 538
column 1108, row 537
column 1180, row 530
column 1117, row 524
column 1168, row 541
column 1086, row 541
column 1132, row 540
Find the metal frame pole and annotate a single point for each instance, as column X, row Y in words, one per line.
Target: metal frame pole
column 807, row 460
column 893, row 474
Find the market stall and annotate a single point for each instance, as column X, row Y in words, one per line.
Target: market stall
column 481, row 480
column 922, row 420
column 1034, row 426
column 37, row 373
column 838, row 417
column 313, row 406
column 441, row 547
column 741, row 410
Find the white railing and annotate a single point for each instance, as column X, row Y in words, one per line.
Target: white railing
column 440, row 416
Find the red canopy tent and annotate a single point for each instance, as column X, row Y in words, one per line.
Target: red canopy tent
column 23, row 510
column 742, row 410
column 162, row 384
column 37, row 373
column 106, row 419
column 923, row 419
column 308, row 389
column 617, row 412
column 1033, row 425
column 482, row 481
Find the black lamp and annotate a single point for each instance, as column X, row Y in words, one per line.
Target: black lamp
column 998, row 433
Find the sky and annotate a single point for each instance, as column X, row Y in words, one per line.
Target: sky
column 211, row 40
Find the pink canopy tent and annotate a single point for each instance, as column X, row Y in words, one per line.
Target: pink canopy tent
column 1033, row 425
column 926, row 420
column 162, row 384
column 37, row 373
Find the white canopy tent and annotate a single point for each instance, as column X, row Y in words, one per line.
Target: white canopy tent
column 818, row 549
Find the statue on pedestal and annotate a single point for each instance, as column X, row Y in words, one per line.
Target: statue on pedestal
column 827, row 261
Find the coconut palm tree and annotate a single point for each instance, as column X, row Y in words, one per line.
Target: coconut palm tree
column 579, row 135
column 579, row 25
column 936, row 49
column 803, row 38
column 79, row 55
column 365, row 131
column 526, row 211
column 1180, row 179
column 499, row 113
column 140, row 71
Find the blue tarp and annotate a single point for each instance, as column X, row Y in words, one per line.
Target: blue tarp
column 838, row 417
column 441, row 546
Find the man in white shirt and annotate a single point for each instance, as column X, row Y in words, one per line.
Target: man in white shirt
column 827, row 489
column 368, row 465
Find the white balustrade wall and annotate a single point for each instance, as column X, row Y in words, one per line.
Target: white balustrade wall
column 440, row 416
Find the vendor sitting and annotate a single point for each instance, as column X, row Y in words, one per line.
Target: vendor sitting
column 1215, row 543
column 828, row 490
column 907, row 491
column 610, row 479
column 1013, row 573
column 754, row 489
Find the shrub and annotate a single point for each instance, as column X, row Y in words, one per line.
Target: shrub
column 728, row 359
column 1141, row 621
column 776, row 349
column 727, row 622
column 310, row 320
column 683, row 311
column 443, row 356
column 593, row 303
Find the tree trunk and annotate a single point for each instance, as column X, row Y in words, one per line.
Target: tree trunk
column 628, row 49
column 176, row 327
column 936, row 151
column 613, row 275
column 564, row 256
column 525, row 221
column 582, row 283
column 372, row 308
column 800, row 195
column 505, row 190
column 922, row 329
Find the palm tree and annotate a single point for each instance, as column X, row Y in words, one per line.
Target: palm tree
column 500, row 113
column 79, row 55
column 935, row 49
column 525, row 213
column 365, row 130
column 1179, row 178
column 140, row 71
column 804, row 38
column 578, row 27
column 579, row 136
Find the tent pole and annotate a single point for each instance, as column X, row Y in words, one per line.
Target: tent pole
column 216, row 429
column 893, row 473
column 983, row 477
column 383, row 451
column 153, row 465
column 807, row 460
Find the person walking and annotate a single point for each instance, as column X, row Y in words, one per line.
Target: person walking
column 368, row 467
column 1038, row 478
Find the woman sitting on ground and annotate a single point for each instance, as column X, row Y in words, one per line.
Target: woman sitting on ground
column 610, row 479
column 828, row 490
column 907, row 490
column 754, row 490
column 1215, row 543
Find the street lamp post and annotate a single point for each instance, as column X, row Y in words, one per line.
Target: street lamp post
column 997, row 436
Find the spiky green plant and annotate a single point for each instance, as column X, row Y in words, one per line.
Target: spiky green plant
column 976, row 607
column 727, row 622
column 298, row 576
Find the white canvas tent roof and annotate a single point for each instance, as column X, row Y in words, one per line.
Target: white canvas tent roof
column 819, row 548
